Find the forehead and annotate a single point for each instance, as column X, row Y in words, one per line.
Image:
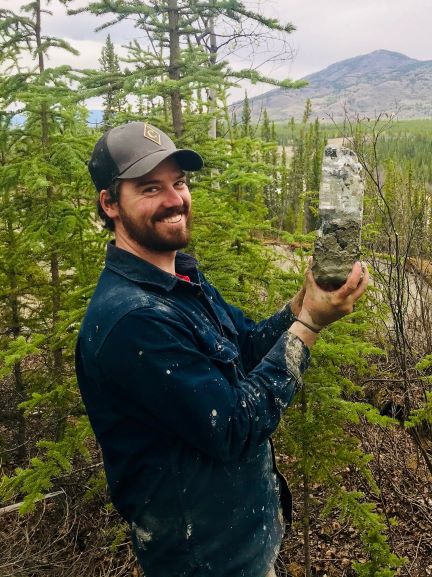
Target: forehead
column 168, row 168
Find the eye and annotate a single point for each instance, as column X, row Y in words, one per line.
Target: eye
column 180, row 183
column 149, row 190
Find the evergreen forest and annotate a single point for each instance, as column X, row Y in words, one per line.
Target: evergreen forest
column 356, row 444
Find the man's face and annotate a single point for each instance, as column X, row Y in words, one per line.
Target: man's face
column 154, row 210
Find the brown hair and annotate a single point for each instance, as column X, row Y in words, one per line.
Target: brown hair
column 113, row 191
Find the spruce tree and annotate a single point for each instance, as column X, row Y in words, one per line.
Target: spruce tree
column 185, row 46
column 13, row 252
column 113, row 99
column 47, row 182
column 305, row 174
column 315, row 433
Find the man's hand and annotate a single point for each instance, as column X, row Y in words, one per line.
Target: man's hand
column 320, row 307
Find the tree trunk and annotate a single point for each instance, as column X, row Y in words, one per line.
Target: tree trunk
column 212, row 91
column 174, row 66
column 54, row 258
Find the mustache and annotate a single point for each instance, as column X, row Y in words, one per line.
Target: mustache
column 168, row 212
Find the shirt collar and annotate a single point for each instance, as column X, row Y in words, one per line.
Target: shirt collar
column 139, row 270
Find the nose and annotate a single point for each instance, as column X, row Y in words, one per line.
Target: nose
column 172, row 197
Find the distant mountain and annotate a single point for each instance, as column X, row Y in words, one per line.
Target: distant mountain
column 382, row 81
column 94, row 118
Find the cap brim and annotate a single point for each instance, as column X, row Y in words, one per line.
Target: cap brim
column 187, row 160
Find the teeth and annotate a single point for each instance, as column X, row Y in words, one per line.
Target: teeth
column 173, row 219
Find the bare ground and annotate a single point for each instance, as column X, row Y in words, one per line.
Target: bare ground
column 72, row 536
column 405, row 500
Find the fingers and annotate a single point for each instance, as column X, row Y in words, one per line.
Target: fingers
column 355, row 285
column 363, row 283
column 325, row 307
column 353, row 281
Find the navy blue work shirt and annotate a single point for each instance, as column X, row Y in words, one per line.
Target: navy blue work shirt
column 183, row 392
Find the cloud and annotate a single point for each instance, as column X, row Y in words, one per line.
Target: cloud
column 80, row 26
column 327, row 31
column 333, row 30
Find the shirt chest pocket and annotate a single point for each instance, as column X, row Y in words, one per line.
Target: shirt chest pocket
column 216, row 346
column 218, row 349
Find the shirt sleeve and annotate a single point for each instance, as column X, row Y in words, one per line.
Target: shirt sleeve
column 256, row 339
column 158, row 365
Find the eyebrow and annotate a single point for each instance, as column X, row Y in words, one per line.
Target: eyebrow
column 140, row 181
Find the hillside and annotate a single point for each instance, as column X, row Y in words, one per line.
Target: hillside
column 381, row 81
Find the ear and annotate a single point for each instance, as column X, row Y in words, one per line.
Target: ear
column 109, row 207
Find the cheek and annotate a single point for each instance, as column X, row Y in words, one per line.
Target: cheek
column 187, row 198
column 146, row 208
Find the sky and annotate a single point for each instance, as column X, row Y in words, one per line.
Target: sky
column 327, row 31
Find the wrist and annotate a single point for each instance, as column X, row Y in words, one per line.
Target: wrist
column 307, row 336
column 305, row 319
column 309, row 326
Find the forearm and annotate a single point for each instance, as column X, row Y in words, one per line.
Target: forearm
column 307, row 336
column 267, row 332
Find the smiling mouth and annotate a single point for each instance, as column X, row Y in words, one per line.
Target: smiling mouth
column 173, row 219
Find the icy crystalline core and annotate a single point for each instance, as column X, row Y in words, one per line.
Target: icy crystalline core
column 341, row 183
column 340, row 212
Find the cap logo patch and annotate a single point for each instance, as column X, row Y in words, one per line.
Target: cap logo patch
column 152, row 134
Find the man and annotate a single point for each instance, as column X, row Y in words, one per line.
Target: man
column 183, row 391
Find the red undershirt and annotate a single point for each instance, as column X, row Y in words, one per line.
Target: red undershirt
column 183, row 277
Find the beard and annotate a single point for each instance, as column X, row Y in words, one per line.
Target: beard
column 145, row 233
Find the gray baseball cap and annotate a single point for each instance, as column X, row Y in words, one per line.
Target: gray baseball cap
column 134, row 149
